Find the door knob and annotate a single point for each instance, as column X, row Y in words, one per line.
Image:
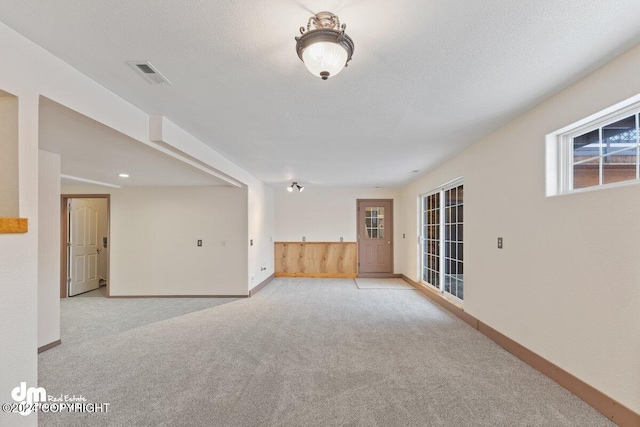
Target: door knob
column 389, row 243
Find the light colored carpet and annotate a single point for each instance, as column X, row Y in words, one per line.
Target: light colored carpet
column 306, row 352
column 382, row 284
column 92, row 316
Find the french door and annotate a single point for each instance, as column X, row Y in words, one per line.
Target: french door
column 441, row 240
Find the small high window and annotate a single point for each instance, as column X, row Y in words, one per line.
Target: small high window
column 607, row 154
column 598, row 152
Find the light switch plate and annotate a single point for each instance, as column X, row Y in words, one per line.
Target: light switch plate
column 499, row 242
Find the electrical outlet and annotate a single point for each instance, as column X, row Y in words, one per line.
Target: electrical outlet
column 499, row 242
column 199, row 242
column 304, row 239
column 341, row 239
column 403, row 236
column 251, row 242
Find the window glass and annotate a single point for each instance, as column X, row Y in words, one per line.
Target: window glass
column 374, row 222
column 606, row 155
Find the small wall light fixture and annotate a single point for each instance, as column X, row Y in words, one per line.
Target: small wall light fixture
column 326, row 49
column 295, row 185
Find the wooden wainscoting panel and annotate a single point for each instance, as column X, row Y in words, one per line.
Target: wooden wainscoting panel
column 316, row 259
column 13, row 225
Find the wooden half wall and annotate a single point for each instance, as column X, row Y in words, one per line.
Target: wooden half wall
column 316, row 259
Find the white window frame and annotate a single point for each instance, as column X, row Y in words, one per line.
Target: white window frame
column 559, row 149
column 421, row 238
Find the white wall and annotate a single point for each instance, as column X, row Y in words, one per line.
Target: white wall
column 48, row 248
column 261, row 230
column 326, row 215
column 566, row 284
column 19, row 268
column 260, row 197
column 8, row 155
column 154, row 231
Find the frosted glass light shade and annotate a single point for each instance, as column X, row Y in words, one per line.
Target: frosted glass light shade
column 324, row 56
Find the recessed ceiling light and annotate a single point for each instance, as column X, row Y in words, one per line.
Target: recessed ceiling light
column 123, row 175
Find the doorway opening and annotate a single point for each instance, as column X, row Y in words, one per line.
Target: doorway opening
column 375, row 238
column 85, row 245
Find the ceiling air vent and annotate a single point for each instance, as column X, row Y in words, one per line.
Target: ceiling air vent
column 149, row 72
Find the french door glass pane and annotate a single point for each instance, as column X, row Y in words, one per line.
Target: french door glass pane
column 453, row 273
column 430, row 239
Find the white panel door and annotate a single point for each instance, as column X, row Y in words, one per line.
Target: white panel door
column 83, row 247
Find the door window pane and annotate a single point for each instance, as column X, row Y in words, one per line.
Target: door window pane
column 374, row 222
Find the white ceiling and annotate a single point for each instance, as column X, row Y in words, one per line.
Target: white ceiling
column 428, row 78
column 92, row 151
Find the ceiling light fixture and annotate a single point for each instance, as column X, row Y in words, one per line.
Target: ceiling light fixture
column 123, row 175
column 295, row 185
column 326, row 49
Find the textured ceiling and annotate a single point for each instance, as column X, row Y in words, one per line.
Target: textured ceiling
column 428, row 78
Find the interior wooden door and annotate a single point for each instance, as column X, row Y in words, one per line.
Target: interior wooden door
column 83, row 247
column 375, row 236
